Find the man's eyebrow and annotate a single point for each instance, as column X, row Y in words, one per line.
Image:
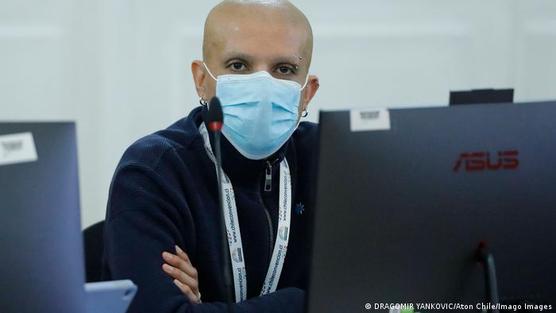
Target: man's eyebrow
column 287, row 60
column 237, row 56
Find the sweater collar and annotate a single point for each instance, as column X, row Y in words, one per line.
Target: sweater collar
column 242, row 171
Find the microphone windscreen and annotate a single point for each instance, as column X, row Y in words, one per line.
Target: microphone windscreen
column 215, row 111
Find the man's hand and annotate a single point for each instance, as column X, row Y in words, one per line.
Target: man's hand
column 179, row 267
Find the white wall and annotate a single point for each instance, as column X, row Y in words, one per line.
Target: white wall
column 121, row 68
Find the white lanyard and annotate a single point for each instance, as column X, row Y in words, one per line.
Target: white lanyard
column 234, row 235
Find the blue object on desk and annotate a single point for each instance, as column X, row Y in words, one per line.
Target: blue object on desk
column 110, row 296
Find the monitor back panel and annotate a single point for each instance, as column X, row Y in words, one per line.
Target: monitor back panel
column 400, row 212
column 42, row 268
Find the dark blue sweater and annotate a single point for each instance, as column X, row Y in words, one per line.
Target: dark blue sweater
column 164, row 193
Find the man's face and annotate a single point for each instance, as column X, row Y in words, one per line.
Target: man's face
column 250, row 39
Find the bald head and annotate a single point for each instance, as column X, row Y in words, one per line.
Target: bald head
column 271, row 20
column 249, row 36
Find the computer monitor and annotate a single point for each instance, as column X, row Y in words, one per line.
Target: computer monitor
column 406, row 197
column 41, row 267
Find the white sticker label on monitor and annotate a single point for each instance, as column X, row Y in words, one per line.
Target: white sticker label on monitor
column 17, row 148
column 369, row 120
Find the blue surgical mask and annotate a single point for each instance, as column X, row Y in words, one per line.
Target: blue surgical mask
column 260, row 112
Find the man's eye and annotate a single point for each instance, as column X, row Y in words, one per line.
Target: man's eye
column 285, row 70
column 237, row 67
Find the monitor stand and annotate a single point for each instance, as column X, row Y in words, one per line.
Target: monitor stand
column 486, row 258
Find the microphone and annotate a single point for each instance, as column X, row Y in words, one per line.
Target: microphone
column 215, row 120
column 215, row 117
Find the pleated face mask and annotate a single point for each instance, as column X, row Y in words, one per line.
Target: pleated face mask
column 260, row 112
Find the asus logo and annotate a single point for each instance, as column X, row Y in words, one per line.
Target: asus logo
column 483, row 161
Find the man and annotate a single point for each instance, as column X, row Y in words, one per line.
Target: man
column 162, row 227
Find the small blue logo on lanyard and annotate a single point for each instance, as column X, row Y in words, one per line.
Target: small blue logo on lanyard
column 299, row 208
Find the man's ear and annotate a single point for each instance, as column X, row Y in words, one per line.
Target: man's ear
column 309, row 91
column 199, row 76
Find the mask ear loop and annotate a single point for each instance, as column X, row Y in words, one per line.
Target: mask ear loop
column 305, row 112
column 306, row 82
column 202, row 101
column 209, row 72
